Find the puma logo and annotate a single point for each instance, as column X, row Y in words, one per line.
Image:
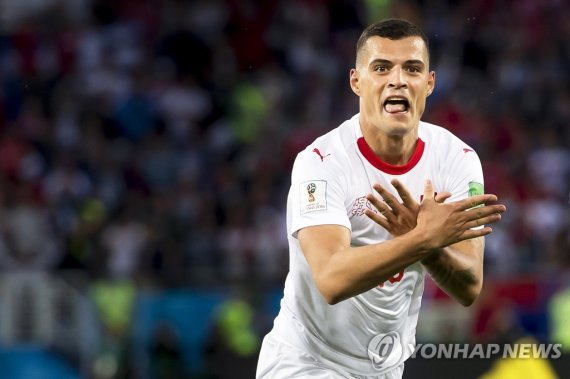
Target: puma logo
column 315, row 150
column 465, row 150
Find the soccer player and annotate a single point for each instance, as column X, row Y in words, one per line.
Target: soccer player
column 358, row 260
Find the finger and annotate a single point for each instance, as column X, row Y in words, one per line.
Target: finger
column 405, row 195
column 428, row 191
column 474, row 233
column 389, row 199
column 382, row 207
column 483, row 221
column 481, row 212
column 474, row 201
column 382, row 221
column 441, row 197
column 375, row 201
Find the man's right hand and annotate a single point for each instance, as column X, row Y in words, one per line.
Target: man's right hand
column 397, row 218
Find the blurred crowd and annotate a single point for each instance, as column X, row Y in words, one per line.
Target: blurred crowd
column 153, row 139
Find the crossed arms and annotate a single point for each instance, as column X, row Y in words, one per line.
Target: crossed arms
column 438, row 234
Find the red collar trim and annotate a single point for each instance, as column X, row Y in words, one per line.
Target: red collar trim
column 387, row 167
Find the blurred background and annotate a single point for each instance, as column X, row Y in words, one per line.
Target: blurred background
column 145, row 154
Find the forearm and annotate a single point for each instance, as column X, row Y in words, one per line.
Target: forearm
column 345, row 271
column 354, row 270
column 458, row 269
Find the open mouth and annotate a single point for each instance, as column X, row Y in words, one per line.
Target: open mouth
column 396, row 104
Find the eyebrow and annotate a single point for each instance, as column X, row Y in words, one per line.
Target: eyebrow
column 412, row 62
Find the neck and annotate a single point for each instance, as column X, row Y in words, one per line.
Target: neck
column 393, row 149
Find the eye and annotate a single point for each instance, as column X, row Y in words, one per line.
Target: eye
column 381, row 68
column 413, row 69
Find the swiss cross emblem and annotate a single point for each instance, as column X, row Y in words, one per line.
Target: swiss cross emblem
column 360, row 205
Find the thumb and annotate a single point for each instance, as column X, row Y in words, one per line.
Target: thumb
column 428, row 190
column 441, row 197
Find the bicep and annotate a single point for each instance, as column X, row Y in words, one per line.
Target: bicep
column 321, row 242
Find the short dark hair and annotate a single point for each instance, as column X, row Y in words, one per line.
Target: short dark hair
column 391, row 28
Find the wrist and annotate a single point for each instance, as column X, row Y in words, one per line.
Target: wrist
column 421, row 242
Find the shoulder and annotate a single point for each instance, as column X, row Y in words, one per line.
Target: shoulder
column 330, row 148
column 455, row 160
column 444, row 143
column 438, row 135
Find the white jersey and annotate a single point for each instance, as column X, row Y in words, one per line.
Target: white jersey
column 373, row 332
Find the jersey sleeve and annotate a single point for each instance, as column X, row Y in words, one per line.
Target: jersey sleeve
column 465, row 176
column 318, row 192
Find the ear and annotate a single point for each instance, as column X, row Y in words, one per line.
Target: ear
column 355, row 81
column 431, row 82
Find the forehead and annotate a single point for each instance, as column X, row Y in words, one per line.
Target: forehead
column 409, row 48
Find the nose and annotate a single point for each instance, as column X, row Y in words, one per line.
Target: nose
column 397, row 79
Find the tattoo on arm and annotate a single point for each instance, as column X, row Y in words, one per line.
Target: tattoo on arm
column 443, row 273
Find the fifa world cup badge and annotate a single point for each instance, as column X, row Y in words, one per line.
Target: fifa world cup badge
column 313, row 196
column 311, row 188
